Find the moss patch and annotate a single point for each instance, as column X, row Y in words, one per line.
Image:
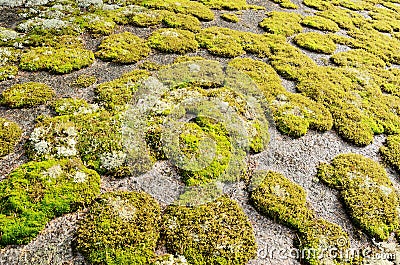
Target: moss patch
column 123, row 48
column 120, row 228
column 315, row 42
column 10, row 135
column 26, row 95
column 230, row 17
column 36, row 192
column 320, row 23
column 215, row 233
column 221, row 41
column 173, row 41
column 283, row 23
column 366, row 191
column 390, row 151
column 84, row 81
column 182, row 21
column 60, row 60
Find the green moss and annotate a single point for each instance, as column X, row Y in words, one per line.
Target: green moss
column 54, row 41
column 173, row 41
column 188, row 7
column 346, row 19
column 226, row 4
column 221, row 41
column 279, row 198
column 10, row 135
column 182, row 21
column 84, row 81
column 95, row 24
column 215, row 233
column 230, row 17
column 149, row 65
column 320, row 23
column 26, row 95
column 8, row 72
column 115, row 94
column 390, row 151
column 36, row 192
column 56, row 60
column 120, row 228
column 366, row 191
column 315, row 42
column 70, row 106
column 357, row 58
column 147, row 18
column 123, row 48
column 318, row 4
column 283, row 23
column 286, row 4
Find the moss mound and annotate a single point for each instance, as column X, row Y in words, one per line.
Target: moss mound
column 84, row 81
column 366, row 191
column 56, row 60
column 320, row 23
column 26, row 95
column 182, row 21
column 10, row 135
column 315, row 42
column 390, row 151
column 123, row 48
column 173, row 41
column 358, row 58
column 120, row 228
column 283, row 23
column 36, row 192
column 215, row 233
column 221, row 41
column 230, row 17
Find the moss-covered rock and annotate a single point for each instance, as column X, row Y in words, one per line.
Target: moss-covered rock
column 26, row 95
column 173, row 41
column 56, row 60
column 120, row 228
column 283, row 23
column 123, row 48
column 10, row 135
column 36, row 192
column 315, row 42
column 215, row 233
column 320, row 23
column 366, row 191
column 230, row 17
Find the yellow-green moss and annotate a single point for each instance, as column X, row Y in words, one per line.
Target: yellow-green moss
column 95, row 24
column 8, row 72
column 280, row 199
column 117, row 93
column 215, row 233
column 286, row 4
column 193, row 8
column 120, row 228
column 26, row 95
column 36, row 192
column 391, row 151
column 230, row 17
column 357, row 58
column 283, row 23
column 173, row 41
column 318, row 4
column 53, row 41
column 150, row 65
column 84, row 80
column 366, row 190
column 226, row 4
column 56, row 60
column 315, row 42
column 123, row 48
column 71, row 106
column 182, row 21
column 346, row 19
column 221, row 41
column 320, row 23
column 147, row 18
column 10, row 135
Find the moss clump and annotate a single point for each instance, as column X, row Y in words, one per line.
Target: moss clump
column 283, row 23
column 149, row 65
column 188, row 7
column 123, row 48
column 182, row 21
column 346, row 19
column 115, row 94
column 95, row 24
column 366, row 191
column 320, row 23
column 215, row 233
column 26, row 95
column 230, row 17
column 173, row 41
column 72, row 106
column 147, row 18
column 120, row 228
column 56, row 60
column 36, row 192
column 8, row 72
column 221, row 41
column 84, row 81
column 279, row 198
column 315, row 42
column 358, row 58
column 286, row 4
column 49, row 40
column 318, row 4
column 390, row 151
column 226, row 4
column 10, row 135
